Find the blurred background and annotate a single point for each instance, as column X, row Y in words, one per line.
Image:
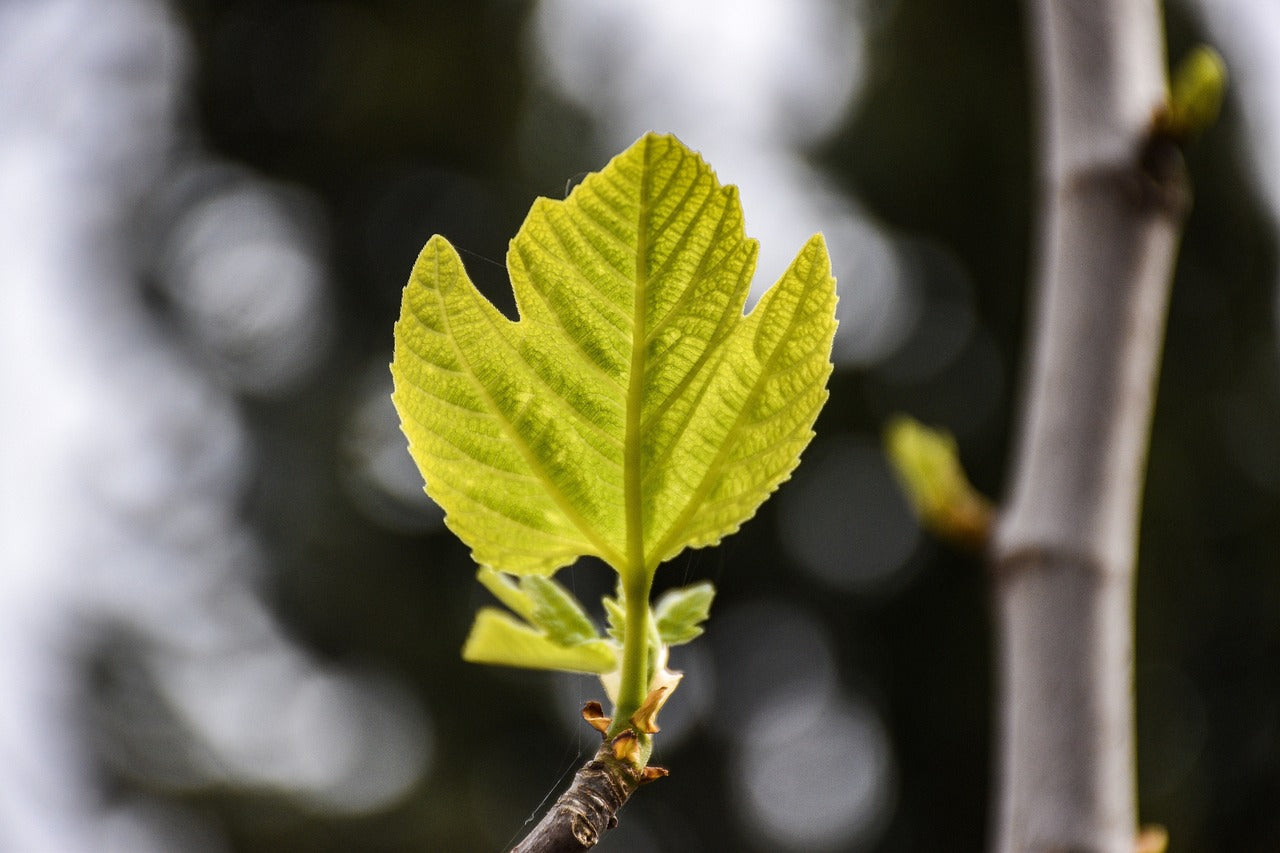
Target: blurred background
column 229, row 617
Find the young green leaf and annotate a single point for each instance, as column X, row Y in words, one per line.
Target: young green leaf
column 1196, row 95
column 617, row 616
column 927, row 463
column 557, row 612
column 506, row 590
column 542, row 602
column 499, row 638
column 680, row 613
column 632, row 410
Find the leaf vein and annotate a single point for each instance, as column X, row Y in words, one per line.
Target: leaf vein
column 604, row 549
column 678, row 527
column 574, row 417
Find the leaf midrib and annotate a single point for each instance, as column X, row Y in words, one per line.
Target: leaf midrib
column 633, row 445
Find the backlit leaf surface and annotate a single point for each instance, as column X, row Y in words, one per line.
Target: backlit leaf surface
column 632, row 410
column 679, row 614
column 499, row 638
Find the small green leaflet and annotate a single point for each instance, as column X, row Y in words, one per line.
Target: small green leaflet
column 679, row 614
column 499, row 638
column 632, row 410
column 555, row 634
column 616, row 614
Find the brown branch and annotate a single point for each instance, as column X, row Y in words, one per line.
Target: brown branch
column 589, row 808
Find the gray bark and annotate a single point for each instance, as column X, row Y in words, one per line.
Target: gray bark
column 1113, row 201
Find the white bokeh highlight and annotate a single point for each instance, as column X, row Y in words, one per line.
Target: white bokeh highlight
column 241, row 262
column 844, row 519
column 811, row 765
column 377, row 471
column 752, row 86
column 1247, row 32
column 815, row 777
column 126, row 460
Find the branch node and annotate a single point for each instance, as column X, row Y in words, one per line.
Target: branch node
column 1162, row 182
column 626, row 746
column 1029, row 559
